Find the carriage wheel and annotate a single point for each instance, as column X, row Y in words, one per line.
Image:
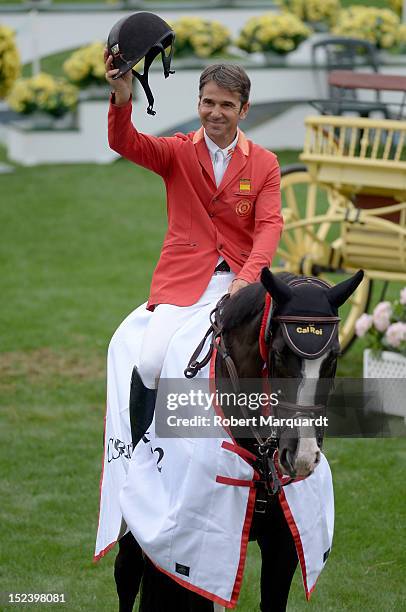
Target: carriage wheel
column 307, row 249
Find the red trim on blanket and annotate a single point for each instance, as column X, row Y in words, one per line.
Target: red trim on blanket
column 296, row 537
column 235, row 482
column 104, row 552
column 239, row 450
column 244, row 543
column 243, row 554
column 212, row 372
column 195, row 589
column 263, row 347
column 310, row 593
column 244, row 454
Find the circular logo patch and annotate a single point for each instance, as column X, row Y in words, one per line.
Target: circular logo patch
column 243, row 208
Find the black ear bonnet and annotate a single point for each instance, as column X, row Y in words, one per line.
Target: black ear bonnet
column 137, row 36
column 308, row 320
column 307, row 310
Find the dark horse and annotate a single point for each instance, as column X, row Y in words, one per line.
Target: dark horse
column 302, row 347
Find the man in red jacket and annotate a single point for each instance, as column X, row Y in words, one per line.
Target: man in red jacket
column 224, row 225
column 223, row 202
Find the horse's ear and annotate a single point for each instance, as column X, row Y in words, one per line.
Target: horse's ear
column 338, row 294
column 280, row 291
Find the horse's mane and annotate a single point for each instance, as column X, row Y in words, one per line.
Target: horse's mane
column 288, row 276
column 247, row 303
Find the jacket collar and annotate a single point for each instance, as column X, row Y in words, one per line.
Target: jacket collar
column 237, row 162
column 242, row 141
column 213, row 148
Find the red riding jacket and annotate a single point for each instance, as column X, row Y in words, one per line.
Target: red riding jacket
column 239, row 220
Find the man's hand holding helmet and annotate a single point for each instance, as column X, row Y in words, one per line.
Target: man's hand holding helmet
column 122, row 87
column 141, row 36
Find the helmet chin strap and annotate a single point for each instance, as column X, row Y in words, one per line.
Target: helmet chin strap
column 143, row 78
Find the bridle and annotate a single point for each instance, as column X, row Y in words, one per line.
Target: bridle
column 266, row 464
column 295, row 410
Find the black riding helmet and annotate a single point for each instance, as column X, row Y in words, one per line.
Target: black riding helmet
column 137, row 36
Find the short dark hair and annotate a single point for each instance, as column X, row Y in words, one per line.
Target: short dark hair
column 228, row 76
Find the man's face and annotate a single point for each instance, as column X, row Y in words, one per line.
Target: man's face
column 220, row 111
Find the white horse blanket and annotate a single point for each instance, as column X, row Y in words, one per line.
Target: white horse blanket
column 189, row 501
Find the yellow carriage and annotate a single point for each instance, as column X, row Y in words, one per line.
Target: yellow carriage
column 346, row 208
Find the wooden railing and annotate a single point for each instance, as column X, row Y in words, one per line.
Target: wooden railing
column 357, row 155
column 355, row 139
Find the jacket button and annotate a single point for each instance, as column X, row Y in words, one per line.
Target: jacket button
column 220, row 246
column 211, row 214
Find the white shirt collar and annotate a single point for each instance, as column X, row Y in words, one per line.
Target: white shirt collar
column 213, row 148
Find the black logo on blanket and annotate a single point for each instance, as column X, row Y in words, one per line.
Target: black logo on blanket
column 182, row 569
column 116, row 449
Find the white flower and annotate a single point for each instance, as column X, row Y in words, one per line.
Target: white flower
column 363, row 324
column 403, row 296
column 381, row 316
column 395, row 334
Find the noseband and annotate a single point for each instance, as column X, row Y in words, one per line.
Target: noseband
column 307, row 336
column 267, row 447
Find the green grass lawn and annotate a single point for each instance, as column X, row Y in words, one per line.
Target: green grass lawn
column 79, row 244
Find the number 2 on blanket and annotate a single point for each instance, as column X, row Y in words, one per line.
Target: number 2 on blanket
column 161, row 456
column 158, row 450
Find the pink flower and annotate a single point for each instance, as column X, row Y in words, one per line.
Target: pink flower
column 395, row 334
column 403, row 296
column 381, row 316
column 363, row 324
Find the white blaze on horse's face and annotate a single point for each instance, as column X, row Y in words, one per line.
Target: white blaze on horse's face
column 308, row 452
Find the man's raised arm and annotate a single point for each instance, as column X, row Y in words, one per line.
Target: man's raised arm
column 142, row 149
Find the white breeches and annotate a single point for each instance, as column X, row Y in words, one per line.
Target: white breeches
column 166, row 320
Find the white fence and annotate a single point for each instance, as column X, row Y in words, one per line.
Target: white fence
column 86, row 143
column 176, row 104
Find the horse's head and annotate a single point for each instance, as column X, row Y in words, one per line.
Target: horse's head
column 303, row 348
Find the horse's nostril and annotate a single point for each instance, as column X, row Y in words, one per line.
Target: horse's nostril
column 287, row 460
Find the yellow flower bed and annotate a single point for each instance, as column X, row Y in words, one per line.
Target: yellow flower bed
column 379, row 26
column 86, row 65
column 312, row 10
column 44, row 93
column 10, row 66
column 272, row 32
column 201, row 37
column 396, row 5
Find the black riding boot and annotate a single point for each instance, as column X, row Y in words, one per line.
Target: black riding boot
column 142, row 406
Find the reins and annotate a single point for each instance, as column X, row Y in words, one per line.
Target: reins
column 266, row 447
column 217, row 342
